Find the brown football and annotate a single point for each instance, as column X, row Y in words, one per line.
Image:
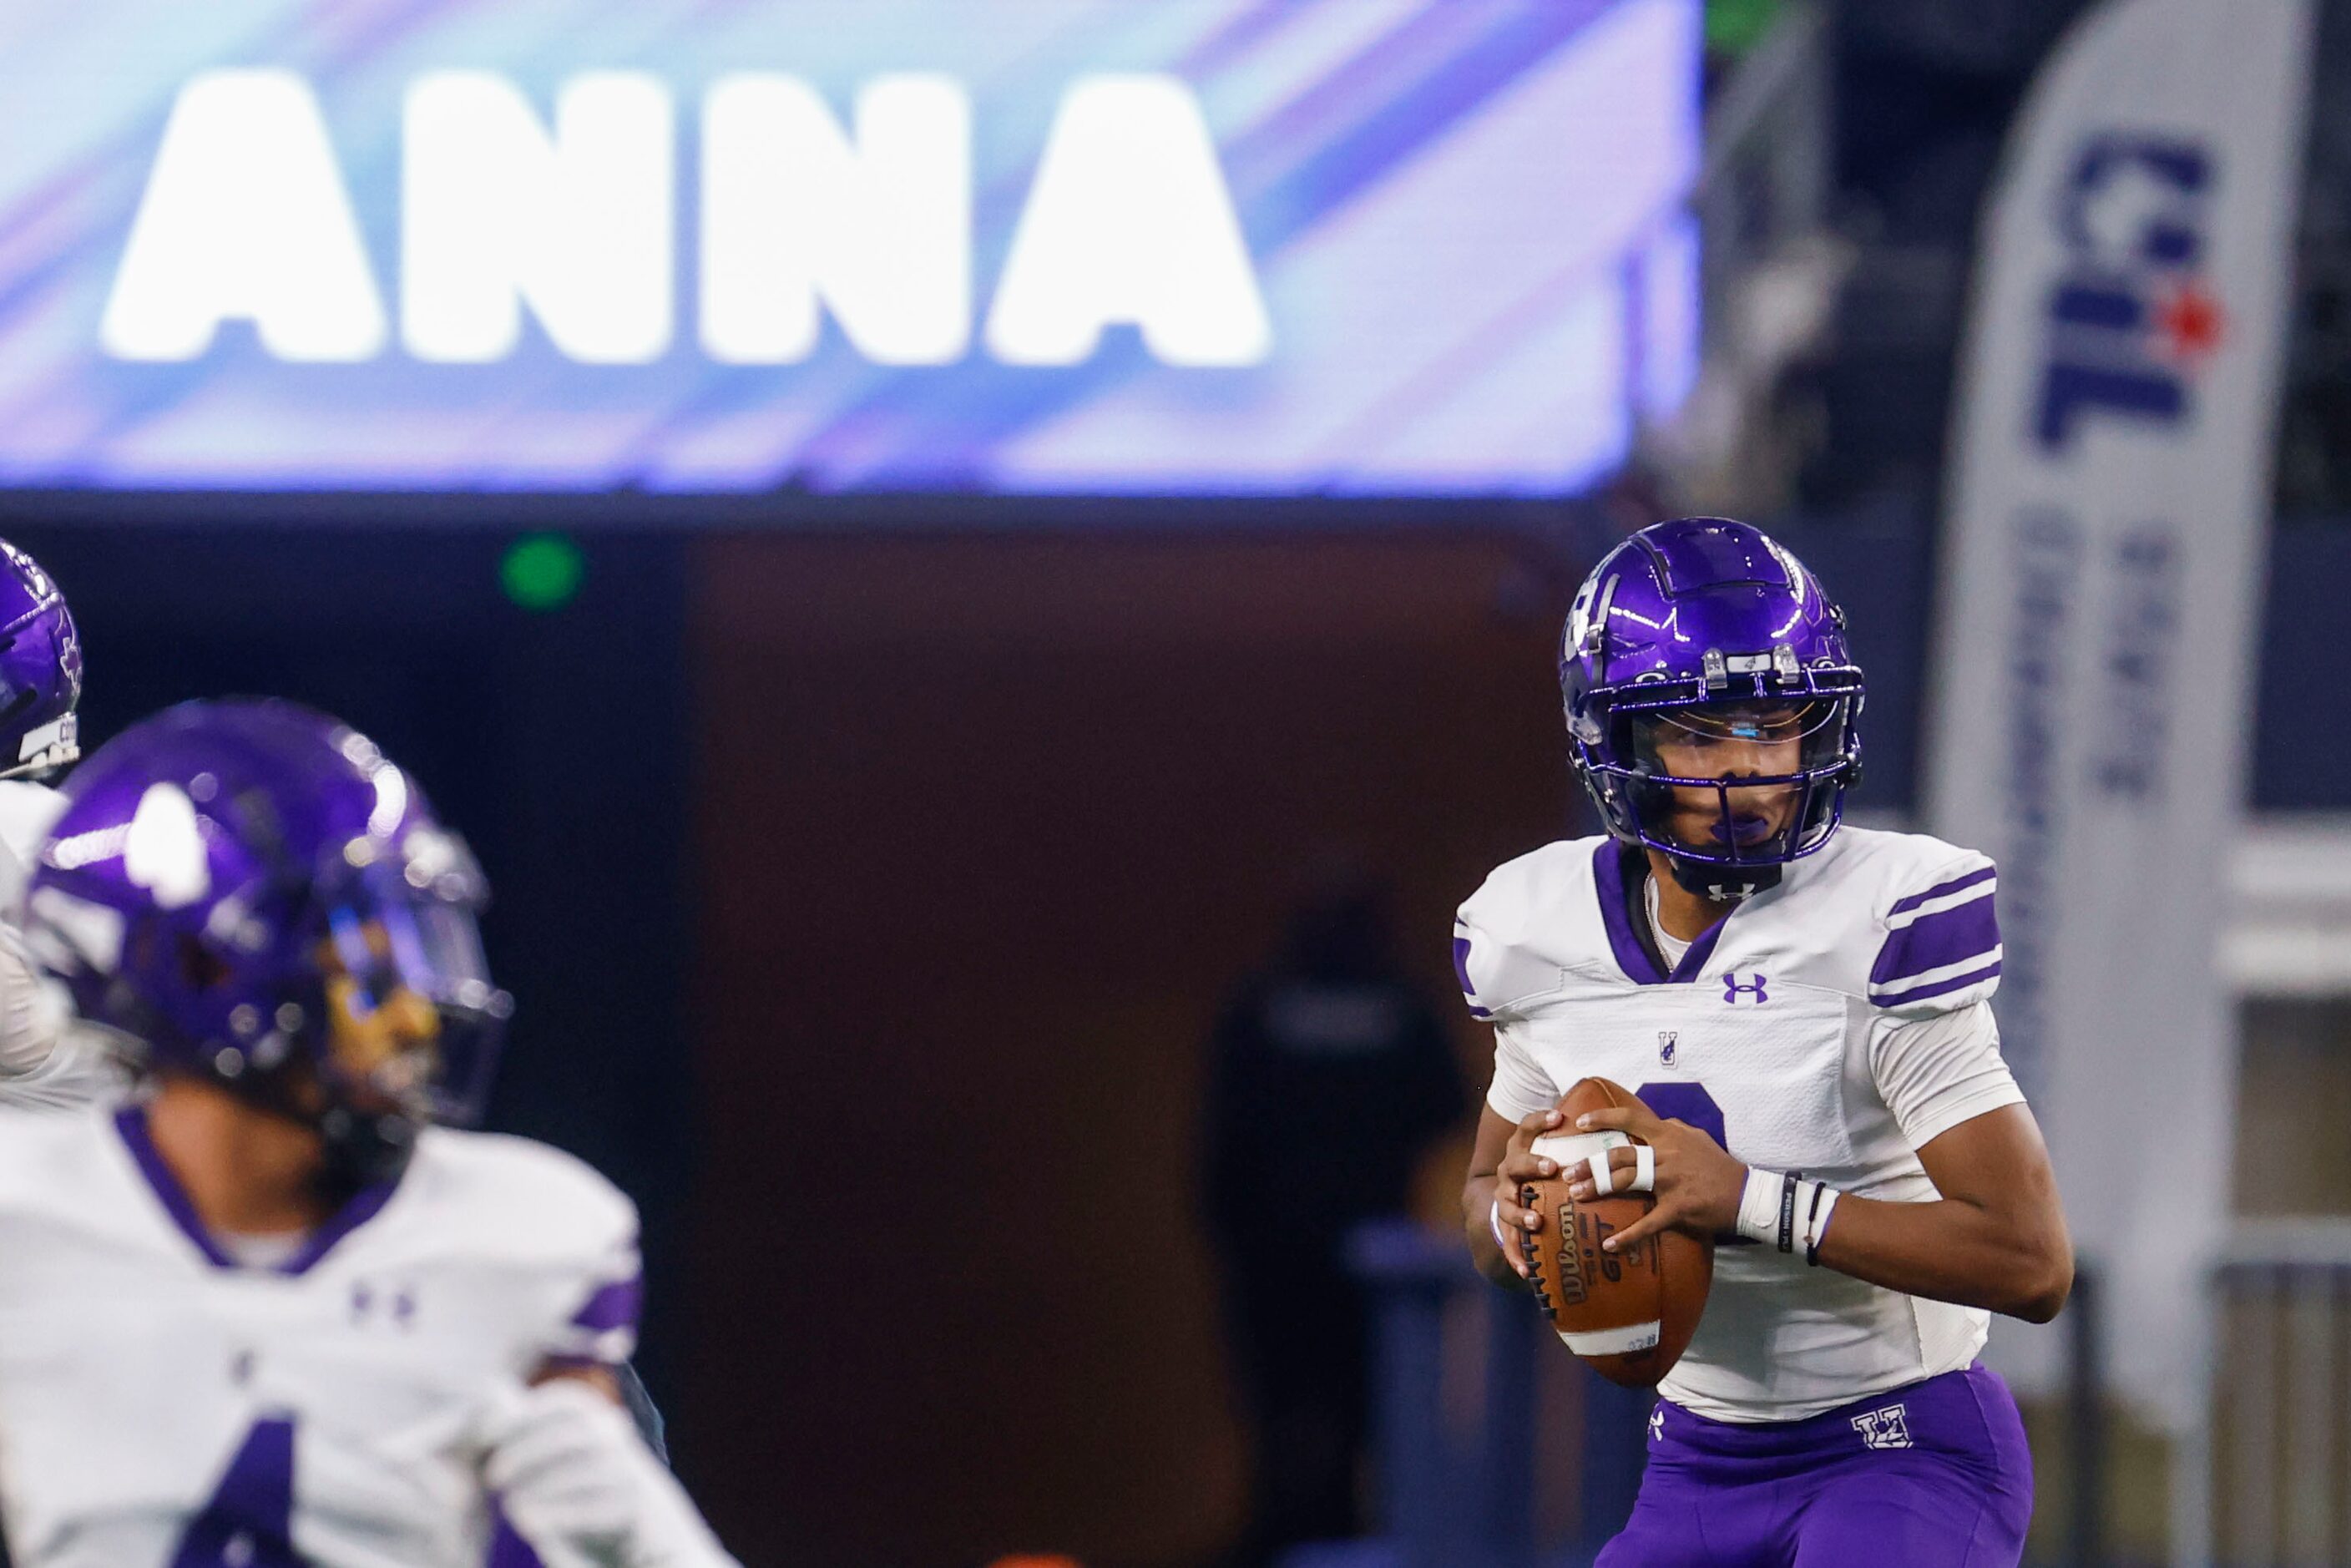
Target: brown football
column 1630, row 1314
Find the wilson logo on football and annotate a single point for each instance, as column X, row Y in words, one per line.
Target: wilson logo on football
column 1567, row 1289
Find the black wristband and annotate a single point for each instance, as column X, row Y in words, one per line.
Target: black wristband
column 1812, row 1227
column 1788, row 1212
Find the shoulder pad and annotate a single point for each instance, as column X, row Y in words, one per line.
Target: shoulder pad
column 1532, row 924
column 1941, row 950
column 558, row 1217
column 526, row 1196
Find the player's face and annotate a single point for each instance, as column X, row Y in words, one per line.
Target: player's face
column 383, row 1038
column 1732, row 740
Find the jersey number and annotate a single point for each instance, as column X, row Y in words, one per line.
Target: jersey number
column 249, row 1523
column 1690, row 1103
column 1686, row 1103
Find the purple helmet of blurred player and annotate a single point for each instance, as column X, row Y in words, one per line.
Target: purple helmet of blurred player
column 40, row 670
column 253, row 894
column 1704, row 627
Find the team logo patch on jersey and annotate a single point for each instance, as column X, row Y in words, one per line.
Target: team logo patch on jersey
column 1752, row 990
column 1665, row 1038
column 1886, row 1428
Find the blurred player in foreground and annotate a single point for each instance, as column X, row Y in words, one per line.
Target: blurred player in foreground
column 266, row 1313
column 1806, row 1014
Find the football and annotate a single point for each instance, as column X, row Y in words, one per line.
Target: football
column 1631, row 1315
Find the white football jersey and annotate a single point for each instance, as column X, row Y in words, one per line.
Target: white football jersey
column 1830, row 1026
column 27, row 811
column 162, row 1405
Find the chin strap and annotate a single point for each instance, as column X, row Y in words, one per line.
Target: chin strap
column 1723, row 884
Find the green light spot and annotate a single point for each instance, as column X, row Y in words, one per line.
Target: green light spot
column 542, row 571
column 1734, row 27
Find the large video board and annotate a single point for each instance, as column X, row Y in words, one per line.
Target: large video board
column 1217, row 246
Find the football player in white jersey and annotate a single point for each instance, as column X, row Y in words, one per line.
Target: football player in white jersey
column 272, row 1310
column 42, row 1063
column 1805, row 1012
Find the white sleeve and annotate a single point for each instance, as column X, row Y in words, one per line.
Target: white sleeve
column 1521, row 1086
column 27, row 813
column 82, row 1070
column 1937, row 1071
column 33, row 1014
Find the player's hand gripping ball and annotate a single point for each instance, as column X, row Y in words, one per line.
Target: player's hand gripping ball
column 1630, row 1311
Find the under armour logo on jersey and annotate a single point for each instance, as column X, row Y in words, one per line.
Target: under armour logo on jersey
column 1732, row 990
column 1886, row 1428
column 372, row 1306
column 1658, row 1424
column 1665, row 1038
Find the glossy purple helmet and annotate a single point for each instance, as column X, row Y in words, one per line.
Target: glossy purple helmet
column 251, row 893
column 40, row 670
column 1703, row 630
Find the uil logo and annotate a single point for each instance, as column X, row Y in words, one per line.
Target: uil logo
column 1886, row 1428
column 1752, row 990
column 1665, row 1040
column 2133, row 320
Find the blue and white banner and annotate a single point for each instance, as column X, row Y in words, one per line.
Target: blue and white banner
column 2102, row 576
column 1312, row 247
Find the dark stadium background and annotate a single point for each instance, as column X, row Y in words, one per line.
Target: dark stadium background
column 867, row 898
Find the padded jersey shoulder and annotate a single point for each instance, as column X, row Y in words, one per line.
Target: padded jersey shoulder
column 53, row 1164
column 1904, row 921
column 1532, row 927
column 522, row 1200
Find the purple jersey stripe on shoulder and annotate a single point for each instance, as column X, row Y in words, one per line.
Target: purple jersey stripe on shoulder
column 1940, row 988
column 1461, row 972
column 613, row 1307
column 1938, row 940
column 1904, row 905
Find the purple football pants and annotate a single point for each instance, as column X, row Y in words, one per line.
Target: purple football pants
column 1933, row 1475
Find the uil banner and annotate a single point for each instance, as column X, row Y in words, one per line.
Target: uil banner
column 2102, row 576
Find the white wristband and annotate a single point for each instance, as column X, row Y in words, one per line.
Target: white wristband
column 1494, row 1220
column 1758, row 1207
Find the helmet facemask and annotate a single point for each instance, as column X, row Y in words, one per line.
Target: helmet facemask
column 410, row 1021
column 1732, row 787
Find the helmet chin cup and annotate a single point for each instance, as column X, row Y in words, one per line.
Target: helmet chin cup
column 1723, row 884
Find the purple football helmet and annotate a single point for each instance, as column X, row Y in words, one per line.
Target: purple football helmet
column 250, row 892
column 40, row 670
column 1703, row 631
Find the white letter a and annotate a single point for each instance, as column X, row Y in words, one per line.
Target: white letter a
column 1129, row 222
column 245, row 218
